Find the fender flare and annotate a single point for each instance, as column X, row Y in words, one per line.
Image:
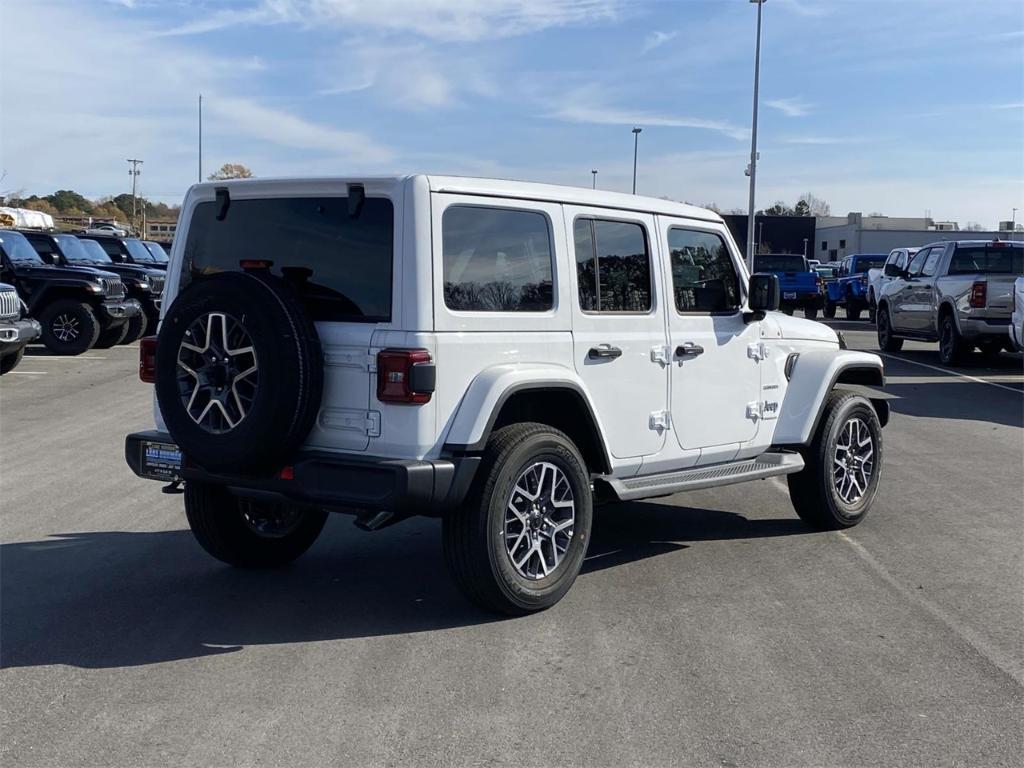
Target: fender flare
column 816, row 373
column 473, row 420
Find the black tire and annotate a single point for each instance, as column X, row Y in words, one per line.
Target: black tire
column 221, row 524
column 137, row 327
column 813, row 491
column 830, row 310
column 69, row 327
column 887, row 342
column 111, row 337
column 787, row 310
column 953, row 350
column 474, row 534
column 852, row 311
column 872, row 308
column 282, row 394
column 811, row 313
column 10, row 361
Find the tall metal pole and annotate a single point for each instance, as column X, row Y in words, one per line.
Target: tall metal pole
column 134, row 173
column 753, row 140
column 200, row 137
column 636, row 141
column 594, row 185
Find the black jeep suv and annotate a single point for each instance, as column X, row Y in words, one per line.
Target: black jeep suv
column 126, row 250
column 16, row 330
column 141, row 283
column 77, row 307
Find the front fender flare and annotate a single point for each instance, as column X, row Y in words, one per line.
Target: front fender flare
column 815, row 374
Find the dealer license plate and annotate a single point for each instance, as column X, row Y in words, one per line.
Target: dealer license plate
column 160, row 461
column 789, row 295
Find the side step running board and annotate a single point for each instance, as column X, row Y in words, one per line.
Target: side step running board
column 765, row 465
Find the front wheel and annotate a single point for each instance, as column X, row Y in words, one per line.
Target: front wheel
column 842, row 466
column 249, row 534
column 9, row 361
column 137, row 327
column 111, row 337
column 517, row 544
column 69, row 327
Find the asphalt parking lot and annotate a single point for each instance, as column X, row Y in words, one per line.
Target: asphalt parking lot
column 706, row 629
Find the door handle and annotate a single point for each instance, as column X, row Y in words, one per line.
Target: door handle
column 689, row 349
column 604, row 352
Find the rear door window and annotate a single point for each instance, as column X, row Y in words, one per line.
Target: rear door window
column 340, row 265
column 613, row 266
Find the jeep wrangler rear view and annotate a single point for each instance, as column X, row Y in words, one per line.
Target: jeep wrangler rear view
column 500, row 355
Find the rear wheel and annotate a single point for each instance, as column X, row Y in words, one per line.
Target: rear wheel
column 842, row 466
column 953, row 350
column 830, row 309
column 852, row 310
column 69, row 327
column 810, row 312
column 111, row 337
column 872, row 311
column 10, row 361
column 517, row 544
column 249, row 534
column 887, row 342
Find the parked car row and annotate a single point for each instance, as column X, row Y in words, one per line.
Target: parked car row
column 85, row 291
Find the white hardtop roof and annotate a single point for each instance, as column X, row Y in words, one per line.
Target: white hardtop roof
column 470, row 185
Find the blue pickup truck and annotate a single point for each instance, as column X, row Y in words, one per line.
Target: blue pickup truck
column 800, row 285
column 850, row 288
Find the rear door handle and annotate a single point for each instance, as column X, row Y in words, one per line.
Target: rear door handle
column 604, row 352
column 689, row 349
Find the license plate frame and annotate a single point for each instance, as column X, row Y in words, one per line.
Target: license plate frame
column 160, row 460
column 789, row 295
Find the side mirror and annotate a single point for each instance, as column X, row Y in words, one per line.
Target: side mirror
column 763, row 294
column 891, row 270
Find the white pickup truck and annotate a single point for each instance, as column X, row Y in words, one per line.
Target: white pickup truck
column 877, row 279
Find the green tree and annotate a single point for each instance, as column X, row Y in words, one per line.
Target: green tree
column 65, row 200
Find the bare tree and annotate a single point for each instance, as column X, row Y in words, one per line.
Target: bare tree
column 231, row 171
column 973, row 226
column 815, row 205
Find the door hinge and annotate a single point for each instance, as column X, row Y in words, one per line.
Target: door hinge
column 660, row 420
column 757, row 351
column 661, row 355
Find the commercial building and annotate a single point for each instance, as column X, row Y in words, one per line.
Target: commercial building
column 161, row 231
column 837, row 236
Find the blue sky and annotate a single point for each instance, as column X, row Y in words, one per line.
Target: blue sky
column 897, row 106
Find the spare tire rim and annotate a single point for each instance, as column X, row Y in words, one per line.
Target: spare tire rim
column 539, row 519
column 853, row 461
column 217, row 372
column 65, row 327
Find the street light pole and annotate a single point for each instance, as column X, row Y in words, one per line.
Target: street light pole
column 753, row 140
column 636, row 141
column 594, row 185
column 134, row 173
column 1013, row 223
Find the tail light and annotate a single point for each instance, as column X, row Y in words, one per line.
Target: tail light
column 979, row 295
column 819, row 283
column 863, row 279
column 147, row 359
column 405, row 376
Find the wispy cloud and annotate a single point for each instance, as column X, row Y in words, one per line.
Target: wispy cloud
column 596, row 115
column 792, row 107
column 814, row 140
column 1009, row 105
column 656, row 39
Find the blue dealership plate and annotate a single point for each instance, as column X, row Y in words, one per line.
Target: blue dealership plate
column 160, row 461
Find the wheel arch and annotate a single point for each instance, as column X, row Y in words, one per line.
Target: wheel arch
column 546, row 394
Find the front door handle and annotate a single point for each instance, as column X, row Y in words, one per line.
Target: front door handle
column 689, row 349
column 604, row 352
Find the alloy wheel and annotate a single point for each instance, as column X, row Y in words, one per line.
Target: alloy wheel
column 217, row 372
column 853, row 460
column 66, row 327
column 539, row 519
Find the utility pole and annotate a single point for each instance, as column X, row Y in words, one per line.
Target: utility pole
column 1013, row 222
column 134, row 173
column 594, row 185
column 200, row 137
column 636, row 141
column 752, row 168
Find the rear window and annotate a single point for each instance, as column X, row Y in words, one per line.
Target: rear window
column 340, row 265
column 780, row 264
column 987, row 260
column 864, row 263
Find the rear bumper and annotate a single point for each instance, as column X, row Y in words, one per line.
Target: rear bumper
column 803, row 300
column 18, row 333
column 973, row 328
column 340, row 482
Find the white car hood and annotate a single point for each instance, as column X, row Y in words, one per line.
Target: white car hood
column 790, row 327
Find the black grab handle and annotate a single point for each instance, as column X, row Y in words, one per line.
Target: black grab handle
column 605, row 351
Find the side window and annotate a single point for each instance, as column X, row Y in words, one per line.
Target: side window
column 901, row 260
column 932, row 262
column 703, row 275
column 496, row 260
column 613, row 266
column 918, row 262
column 111, row 248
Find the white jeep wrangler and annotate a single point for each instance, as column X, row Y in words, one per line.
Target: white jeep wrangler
column 497, row 354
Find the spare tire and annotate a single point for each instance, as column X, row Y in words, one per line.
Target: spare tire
column 239, row 372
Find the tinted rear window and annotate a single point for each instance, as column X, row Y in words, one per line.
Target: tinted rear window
column 780, row 264
column 340, row 265
column 987, row 260
column 864, row 263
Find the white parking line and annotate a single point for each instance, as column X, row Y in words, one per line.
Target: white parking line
column 29, row 373
column 55, row 358
column 949, row 372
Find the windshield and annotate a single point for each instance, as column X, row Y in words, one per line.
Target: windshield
column 987, row 260
column 780, row 263
column 864, row 263
column 18, row 249
column 95, row 251
column 138, row 251
column 72, row 249
column 157, row 250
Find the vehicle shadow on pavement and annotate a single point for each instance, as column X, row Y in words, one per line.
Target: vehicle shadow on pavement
column 121, row 599
column 954, row 398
